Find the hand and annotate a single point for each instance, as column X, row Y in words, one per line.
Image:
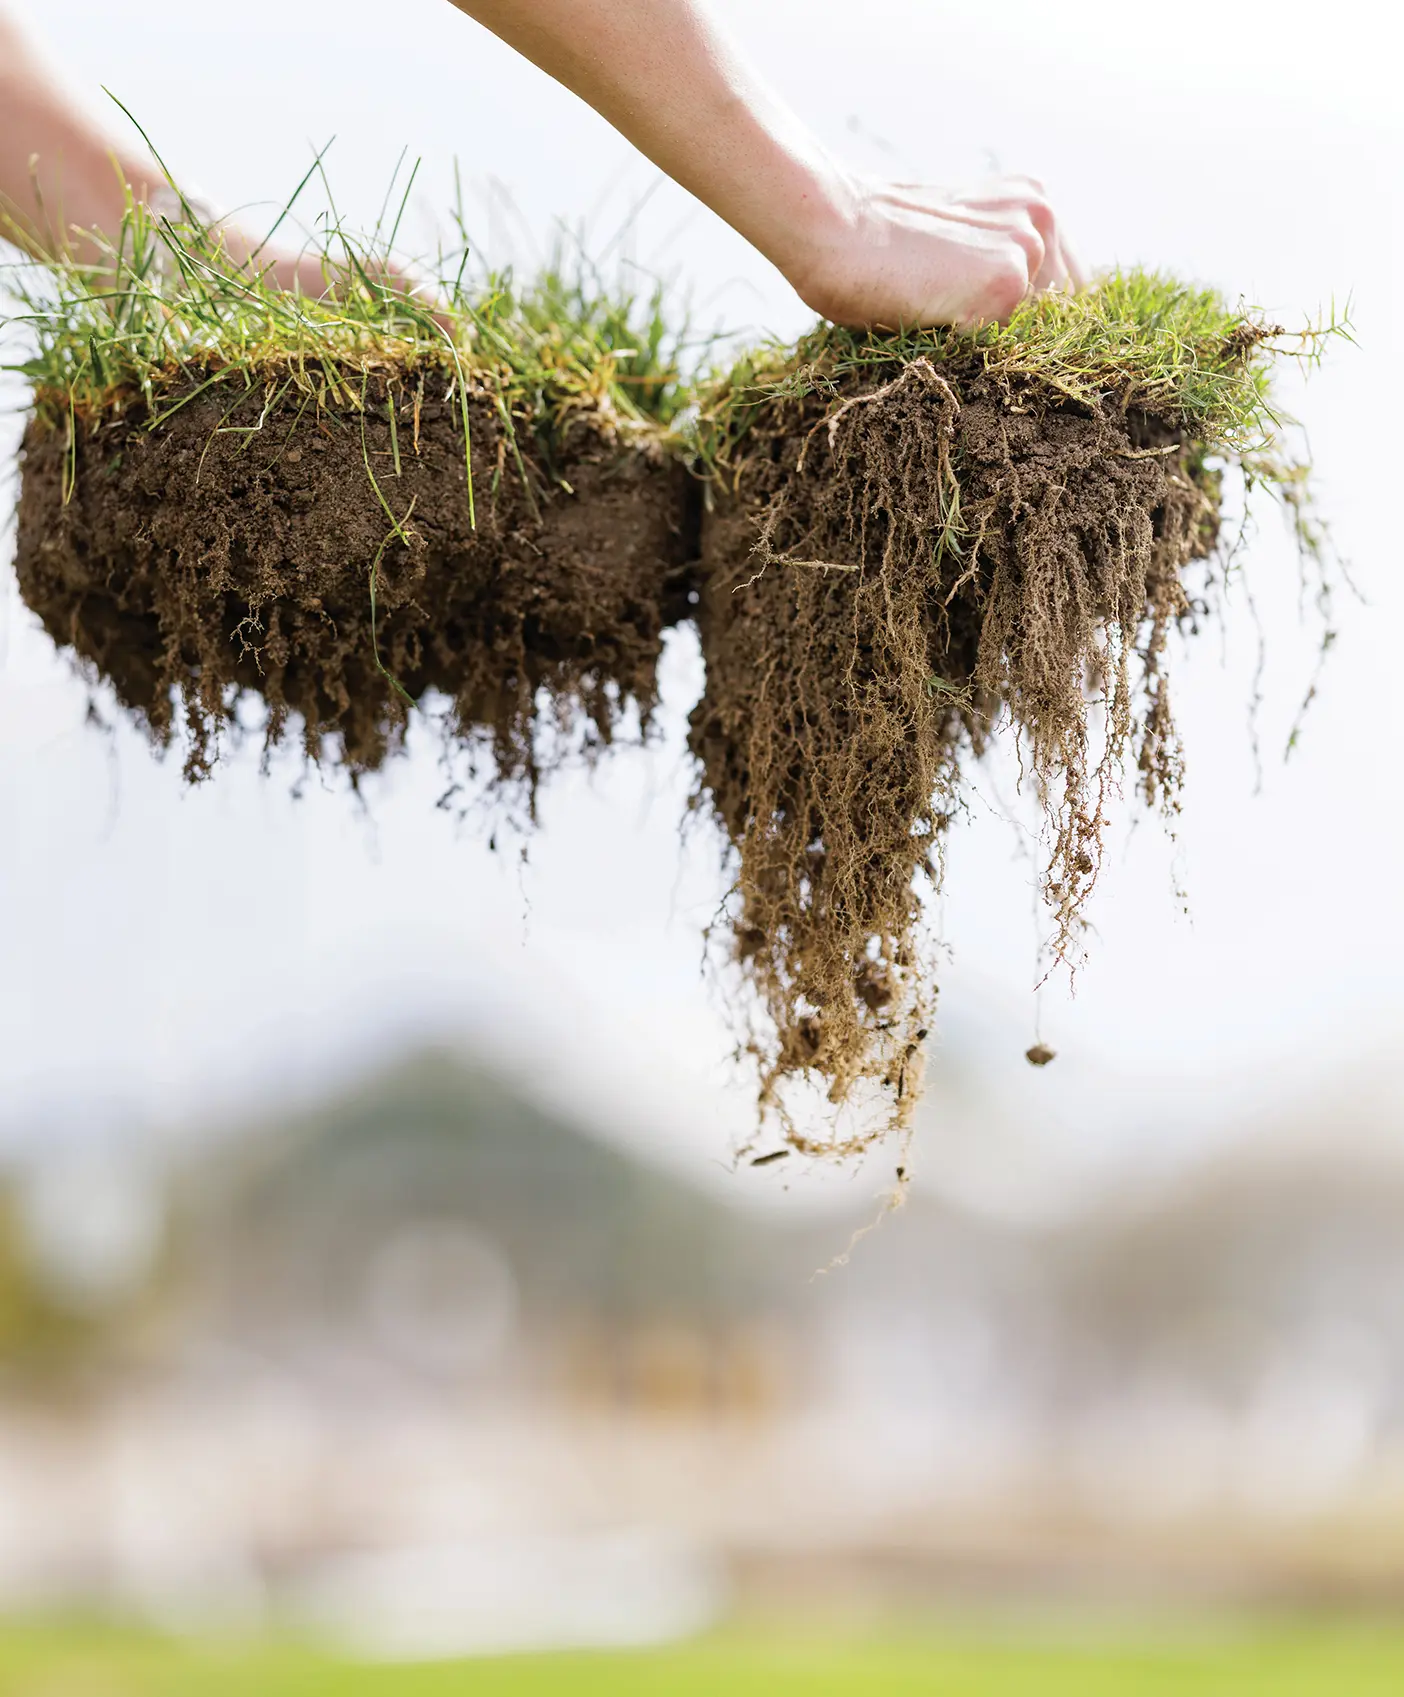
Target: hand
column 905, row 255
column 305, row 272
column 298, row 271
column 861, row 252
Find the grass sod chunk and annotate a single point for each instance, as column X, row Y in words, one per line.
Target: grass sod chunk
column 910, row 540
column 339, row 506
column 324, row 560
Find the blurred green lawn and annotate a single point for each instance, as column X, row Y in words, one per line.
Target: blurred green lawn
column 1322, row 1662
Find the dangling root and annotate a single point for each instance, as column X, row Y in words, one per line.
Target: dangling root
column 886, row 569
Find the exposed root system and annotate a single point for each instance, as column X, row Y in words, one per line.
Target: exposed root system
column 333, row 564
column 890, row 563
column 906, row 540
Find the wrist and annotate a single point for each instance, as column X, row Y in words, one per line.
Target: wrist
column 825, row 220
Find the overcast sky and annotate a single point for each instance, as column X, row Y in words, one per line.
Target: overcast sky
column 161, row 950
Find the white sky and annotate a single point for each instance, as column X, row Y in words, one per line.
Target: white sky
column 165, row 950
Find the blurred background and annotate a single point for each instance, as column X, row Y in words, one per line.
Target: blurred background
column 374, row 1261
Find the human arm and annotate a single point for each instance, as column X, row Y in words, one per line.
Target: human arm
column 64, row 184
column 58, row 175
column 857, row 250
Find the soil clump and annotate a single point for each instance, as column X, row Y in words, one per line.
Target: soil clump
column 333, row 563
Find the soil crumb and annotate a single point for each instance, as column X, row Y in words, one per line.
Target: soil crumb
column 259, row 545
column 890, row 563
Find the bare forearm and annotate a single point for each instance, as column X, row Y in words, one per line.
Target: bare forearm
column 665, row 75
column 58, row 174
column 857, row 250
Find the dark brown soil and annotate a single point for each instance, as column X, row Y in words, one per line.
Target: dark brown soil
column 235, row 551
column 885, row 570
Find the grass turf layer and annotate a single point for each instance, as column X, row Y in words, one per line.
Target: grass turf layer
column 338, row 506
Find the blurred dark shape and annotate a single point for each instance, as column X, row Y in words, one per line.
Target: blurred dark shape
column 436, row 1223
column 430, row 1322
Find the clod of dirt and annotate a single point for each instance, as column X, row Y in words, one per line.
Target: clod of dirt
column 327, row 562
column 890, row 563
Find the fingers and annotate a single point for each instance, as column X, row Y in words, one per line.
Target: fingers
column 298, row 273
column 1022, row 200
column 1080, row 277
column 1010, row 223
column 1053, row 273
column 923, row 256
